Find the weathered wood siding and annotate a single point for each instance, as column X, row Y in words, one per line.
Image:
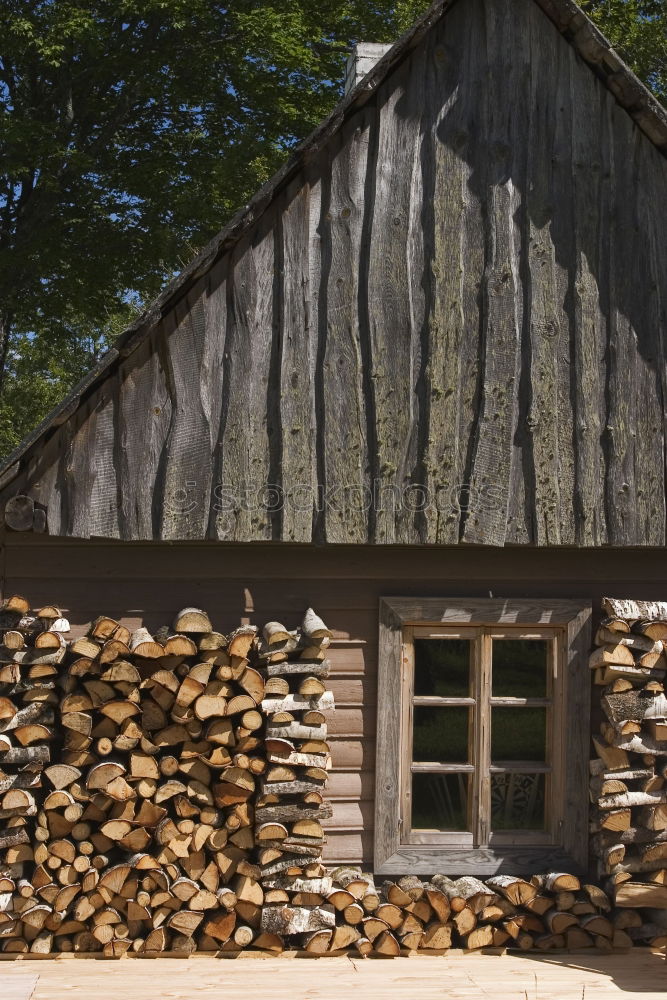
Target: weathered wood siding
column 149, row 583
column 461, row 299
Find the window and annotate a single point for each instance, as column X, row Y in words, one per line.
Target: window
column 483, row 728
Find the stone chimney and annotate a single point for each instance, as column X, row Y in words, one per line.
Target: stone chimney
column 361, row 60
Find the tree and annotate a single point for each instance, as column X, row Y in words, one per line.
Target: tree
column 132, row 129
column 638, row 31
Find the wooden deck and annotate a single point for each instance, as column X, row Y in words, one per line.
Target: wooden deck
column 639, row 975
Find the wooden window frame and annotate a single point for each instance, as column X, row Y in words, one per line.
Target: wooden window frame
column 566, row 848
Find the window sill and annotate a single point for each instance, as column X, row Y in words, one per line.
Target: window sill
column 482, row 862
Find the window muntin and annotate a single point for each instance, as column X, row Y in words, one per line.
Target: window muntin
column 480, row 706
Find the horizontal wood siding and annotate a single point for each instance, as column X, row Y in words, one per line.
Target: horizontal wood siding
column 149, row 583
column 448, row 326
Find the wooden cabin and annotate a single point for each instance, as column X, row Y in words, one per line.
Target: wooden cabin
column 418, row 383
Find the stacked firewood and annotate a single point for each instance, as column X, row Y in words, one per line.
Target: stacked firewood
column 165, row 792
column 32, row 647
column 549, row 912
column 290, row 805
column 143, row 838
column 628, row 792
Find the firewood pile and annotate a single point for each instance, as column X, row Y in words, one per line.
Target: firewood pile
column 549, row 912
column 32, row 647
column 290, row 805
column 166, row 793
column 142, row 836
column 627, row 783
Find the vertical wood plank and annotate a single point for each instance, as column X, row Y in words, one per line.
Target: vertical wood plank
column 648, row 278
column 391, row 379
column 388, row 759
column 213, row 380
column 481, row 818
column 453, row 233
column 577, row 719
column 76, row 474
column 494, row 448
column 589, row 289
column 297, row 454
column 548, row 241
column 406, row 733
column 556, row 747
column 652, row 191
column 620, row 479
column 144, row 417
column 89, row 473
column 343, row 437
column 239, row 507
column 186, row 463
column 102, row 503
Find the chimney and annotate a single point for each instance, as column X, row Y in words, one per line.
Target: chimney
column 361, row 60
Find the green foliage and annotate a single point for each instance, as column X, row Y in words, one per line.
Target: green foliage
column 42, row 369
column 638, row 31
column 132, row 129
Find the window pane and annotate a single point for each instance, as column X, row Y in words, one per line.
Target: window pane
column 518, row 734
column 440, row 734
column 440, row 801
column 519, row 668
column 517, row 801
column 442, row 667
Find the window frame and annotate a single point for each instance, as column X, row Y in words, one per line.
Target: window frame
column 566, row 846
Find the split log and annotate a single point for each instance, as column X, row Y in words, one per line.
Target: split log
column 517, row 890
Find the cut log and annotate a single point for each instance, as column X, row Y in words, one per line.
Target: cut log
column 655, row 629
column 605, row 655
column 17, row 604
column 142, row 644
column 311, row 687
column 240, row 640
column 480, row 937
column 465, row 921
column 275, row 632
column 437, row 936
column 180, row 645
column 517, row 890
column 313, row 627
column 343, row 937
column 192, row 620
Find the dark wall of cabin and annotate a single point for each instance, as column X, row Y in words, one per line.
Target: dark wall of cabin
column 150, row 583
column 465, row 290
